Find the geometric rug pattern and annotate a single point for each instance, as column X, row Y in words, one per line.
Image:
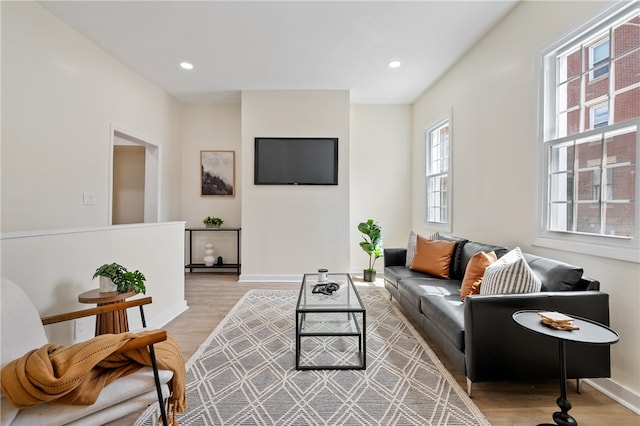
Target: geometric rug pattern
column 244, row 373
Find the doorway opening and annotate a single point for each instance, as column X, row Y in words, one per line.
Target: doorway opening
column 134, row 179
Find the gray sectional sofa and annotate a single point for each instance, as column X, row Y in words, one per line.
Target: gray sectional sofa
column 480, row 337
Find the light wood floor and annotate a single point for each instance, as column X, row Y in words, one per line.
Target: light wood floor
column 211, row 296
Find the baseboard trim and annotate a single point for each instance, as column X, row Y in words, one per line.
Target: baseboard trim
column 619, row 393
column 168, row 315
column 244, row 278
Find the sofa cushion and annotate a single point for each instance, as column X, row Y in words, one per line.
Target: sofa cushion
column 433, row 257
column 411, row 245
column 393, row 274
column 475, row 272
column 446, row 311
column 125, row 388
column 510, row 274
column 412, row 289
column 455, row 270
column 555, row 275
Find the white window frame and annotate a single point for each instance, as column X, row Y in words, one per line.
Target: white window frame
column 621, row 248
column 445, row 224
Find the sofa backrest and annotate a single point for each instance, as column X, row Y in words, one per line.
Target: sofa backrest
column 555, row 275
column 463, row 252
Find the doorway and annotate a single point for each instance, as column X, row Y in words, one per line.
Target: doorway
column 134, row 179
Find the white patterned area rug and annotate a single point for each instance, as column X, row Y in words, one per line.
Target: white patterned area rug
column 244, row 374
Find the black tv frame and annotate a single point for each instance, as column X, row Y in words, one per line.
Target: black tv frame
column 256, row 163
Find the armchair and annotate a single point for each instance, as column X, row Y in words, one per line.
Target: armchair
column 23, row 331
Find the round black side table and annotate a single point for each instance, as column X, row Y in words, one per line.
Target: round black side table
column 589, row 332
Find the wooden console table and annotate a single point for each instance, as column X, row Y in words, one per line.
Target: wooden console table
column 111, row 322
column 191, row 266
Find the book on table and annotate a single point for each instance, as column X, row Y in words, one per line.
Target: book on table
column 557, row 320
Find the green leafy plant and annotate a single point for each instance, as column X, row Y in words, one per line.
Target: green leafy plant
column 210, row 220
column 372, row 241
column 123, row 279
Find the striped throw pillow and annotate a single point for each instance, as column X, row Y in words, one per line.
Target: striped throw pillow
column 510, row 274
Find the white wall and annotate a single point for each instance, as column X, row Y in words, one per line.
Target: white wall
column 54, row 267
column 379, row 177
column 289, row 230
column 493, row 92
column 60, row 95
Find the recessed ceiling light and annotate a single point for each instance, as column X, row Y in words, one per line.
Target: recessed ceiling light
column 186, row 65
column 394, row 64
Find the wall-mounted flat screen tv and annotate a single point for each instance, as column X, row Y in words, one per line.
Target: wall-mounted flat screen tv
column 296, row 161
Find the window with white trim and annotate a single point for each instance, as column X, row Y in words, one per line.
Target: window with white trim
column 438, row 172
column 591, row 112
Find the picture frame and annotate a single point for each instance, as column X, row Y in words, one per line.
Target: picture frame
column 217, row 173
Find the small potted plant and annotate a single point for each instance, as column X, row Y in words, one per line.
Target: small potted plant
column 212, row 222
column 115, row 277
column 372, row 245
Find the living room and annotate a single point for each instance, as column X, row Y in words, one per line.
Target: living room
column 63, row 98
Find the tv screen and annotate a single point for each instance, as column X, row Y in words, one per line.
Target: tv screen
column 296, row 161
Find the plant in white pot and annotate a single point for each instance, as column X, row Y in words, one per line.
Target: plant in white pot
column 212, row 222
column 372, row 245
column 115, row 277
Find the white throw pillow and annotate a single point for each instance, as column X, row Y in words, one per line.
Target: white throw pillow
column 411, row 245
column 510, row 274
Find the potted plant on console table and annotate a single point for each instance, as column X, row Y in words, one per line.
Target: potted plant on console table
column 212, row 222
column 372, row 245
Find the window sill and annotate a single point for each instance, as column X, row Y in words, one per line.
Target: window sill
column 609, row 251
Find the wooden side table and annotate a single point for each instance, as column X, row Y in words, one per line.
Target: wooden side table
column 110, row 322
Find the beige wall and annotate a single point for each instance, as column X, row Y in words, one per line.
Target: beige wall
column 288, row 230
column 379, row 177
column 128, row 184
column 210, row 128
column 493, row 94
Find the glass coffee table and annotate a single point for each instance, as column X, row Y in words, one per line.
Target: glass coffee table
column 330, row 325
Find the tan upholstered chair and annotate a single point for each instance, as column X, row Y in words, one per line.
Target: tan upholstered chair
column 23, row 330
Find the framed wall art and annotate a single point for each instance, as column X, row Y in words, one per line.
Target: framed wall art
column 218, row 173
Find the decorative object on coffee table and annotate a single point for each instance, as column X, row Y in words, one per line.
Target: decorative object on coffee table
column 372, row 245
column 582, row 331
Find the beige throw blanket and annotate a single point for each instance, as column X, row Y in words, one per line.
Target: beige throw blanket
column 77, row 374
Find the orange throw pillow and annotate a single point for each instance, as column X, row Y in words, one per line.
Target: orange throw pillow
column 433, row 256
column 474, row 273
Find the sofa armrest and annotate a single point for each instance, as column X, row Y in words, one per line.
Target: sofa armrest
column 395, row 257
column 498, row 348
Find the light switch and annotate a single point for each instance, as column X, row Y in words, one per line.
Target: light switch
column 88, row 198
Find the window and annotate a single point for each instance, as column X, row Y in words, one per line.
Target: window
column 599, row 58
column 599, row 115
column 591, row 116
column 438, row 168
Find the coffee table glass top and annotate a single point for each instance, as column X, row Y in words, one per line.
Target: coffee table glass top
column 345, row 299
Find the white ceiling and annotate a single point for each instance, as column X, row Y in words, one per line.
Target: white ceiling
column 285, row 45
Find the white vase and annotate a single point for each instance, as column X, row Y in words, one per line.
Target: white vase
column 107, row 286
column 208, row 255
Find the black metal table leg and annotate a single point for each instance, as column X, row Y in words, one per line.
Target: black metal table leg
column 562, row 417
